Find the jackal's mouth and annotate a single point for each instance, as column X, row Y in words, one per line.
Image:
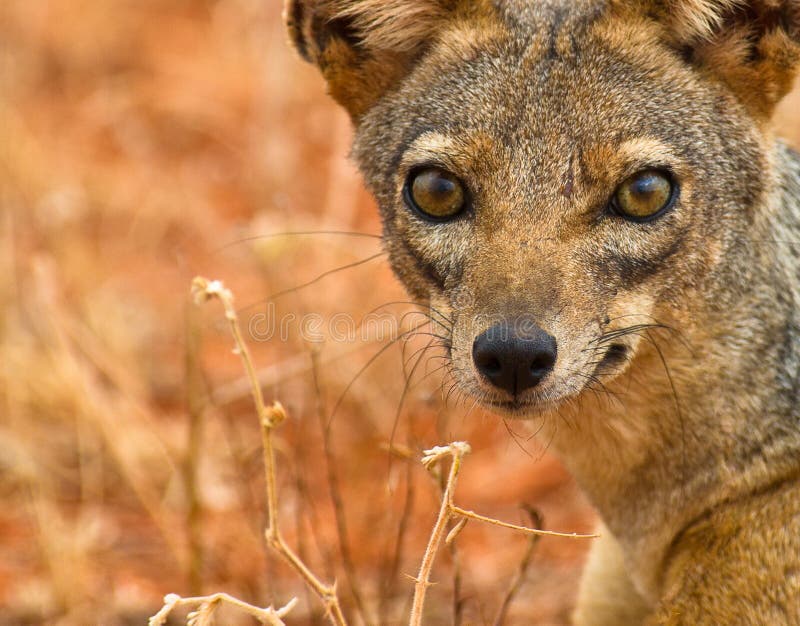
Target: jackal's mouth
column 533, row 405
column 522, row 410
column 555, row 390
column 511, row 406
column 615, row 357
column 521, row 371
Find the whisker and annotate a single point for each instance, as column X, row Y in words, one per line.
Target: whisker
column 403, row 396
column 299, row 233
column 366, row 366
column 430, row 344
column 595, row 380
column 655, row 325
column 621, row 332
column 472, row 408
column 453, row 388
column 310, row 283
column 429, row 374
column 541, row 426
column 446, row 327
column 516, row 438
column 421, row 305
column 677, row 401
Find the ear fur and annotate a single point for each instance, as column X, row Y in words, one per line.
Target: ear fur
column 752, row 45
column 363, row 46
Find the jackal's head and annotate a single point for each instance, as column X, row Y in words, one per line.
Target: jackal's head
column 556, row 175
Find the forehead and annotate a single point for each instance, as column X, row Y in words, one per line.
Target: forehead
column 551, row 74
column 517, row 102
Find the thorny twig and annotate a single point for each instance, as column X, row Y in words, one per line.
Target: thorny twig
column 269, row 419
column 456, row 450
column 207, row 606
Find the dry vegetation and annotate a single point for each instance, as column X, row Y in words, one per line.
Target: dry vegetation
column 141, row 143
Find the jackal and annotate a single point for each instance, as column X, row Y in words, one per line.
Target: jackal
column 590, row 194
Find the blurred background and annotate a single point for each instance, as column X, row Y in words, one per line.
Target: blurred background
column 143, row 142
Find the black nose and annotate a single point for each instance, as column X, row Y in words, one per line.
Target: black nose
column 514, row 361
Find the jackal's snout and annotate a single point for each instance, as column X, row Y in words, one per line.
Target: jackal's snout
column 514, row 359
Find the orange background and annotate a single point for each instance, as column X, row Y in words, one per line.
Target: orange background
column 142, row 143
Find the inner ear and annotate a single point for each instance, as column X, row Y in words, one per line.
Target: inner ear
column 326, row 30
column 753, row 46
column 691, row 21
column 312, row 24
column 343, row 27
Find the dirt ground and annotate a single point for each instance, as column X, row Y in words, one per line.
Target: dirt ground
column 143, row 143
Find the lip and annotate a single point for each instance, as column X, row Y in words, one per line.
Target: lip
column 508, row 404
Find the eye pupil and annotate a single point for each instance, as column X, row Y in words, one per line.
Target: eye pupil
column 442, row 188
column 436, row 193
column 644, row 195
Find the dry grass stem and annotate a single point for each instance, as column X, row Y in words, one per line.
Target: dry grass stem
column 207, row 606
column 392, row 569
column 458, row 601
column 448, row 510
column 195, row 406
column 269, row 418
column 335, row 492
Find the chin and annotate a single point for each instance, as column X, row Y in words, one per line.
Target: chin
column 523, row 408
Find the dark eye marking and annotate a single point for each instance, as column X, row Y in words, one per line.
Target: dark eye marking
column 424, row 267
column 630, row 270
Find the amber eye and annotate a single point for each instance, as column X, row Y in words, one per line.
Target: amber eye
column 644, row 196
column 435, row 193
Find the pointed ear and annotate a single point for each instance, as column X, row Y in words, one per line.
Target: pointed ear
column 363, row 47
column 752, row 45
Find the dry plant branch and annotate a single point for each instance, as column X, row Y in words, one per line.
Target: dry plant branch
column 208, row 605
column 456, row 450
column 269, row 418
column 522, row 568
column 448, row 510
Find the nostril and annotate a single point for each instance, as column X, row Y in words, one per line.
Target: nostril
column 543, row 363
column 488, row 357
column 491, row 366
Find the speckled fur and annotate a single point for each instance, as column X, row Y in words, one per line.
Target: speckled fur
column 542, row 108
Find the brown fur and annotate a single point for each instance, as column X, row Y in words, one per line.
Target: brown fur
column 687, row 440
column 364, row 48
